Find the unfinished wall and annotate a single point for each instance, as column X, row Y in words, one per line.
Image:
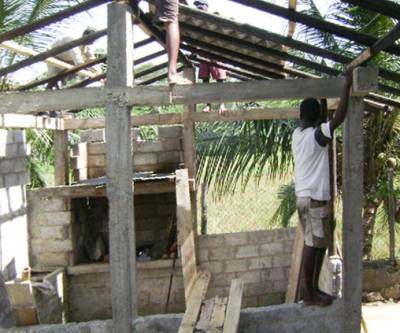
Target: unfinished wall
column 261, row 259
column 161, row 155
column 13, row 223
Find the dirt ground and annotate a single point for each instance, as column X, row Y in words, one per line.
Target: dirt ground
column 382, row 318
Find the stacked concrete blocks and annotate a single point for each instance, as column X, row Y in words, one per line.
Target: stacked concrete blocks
column 161, row 155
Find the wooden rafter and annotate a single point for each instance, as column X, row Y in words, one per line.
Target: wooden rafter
column 313, row 22
column 292, row 25
column 384, row 7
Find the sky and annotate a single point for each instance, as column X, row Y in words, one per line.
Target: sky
column 97, row 18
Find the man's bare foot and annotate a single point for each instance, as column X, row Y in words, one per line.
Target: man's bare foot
column 207, row 108
column 325, row 295
column 222, row 108
column 178, row 80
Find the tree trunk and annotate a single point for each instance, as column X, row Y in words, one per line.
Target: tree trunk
column 370, row 210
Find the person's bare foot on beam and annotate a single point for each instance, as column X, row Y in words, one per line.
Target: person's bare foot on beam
column 207, row 108
column 317, row 300
column 178, row 80
column 222, row 108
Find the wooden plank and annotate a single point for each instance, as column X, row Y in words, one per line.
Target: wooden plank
column 353, row 170
column 292, row 25
column 23, row 50
column 185, row 230
column 9, row 120
column 205, row 315
column 119, row 164
column 218, row 315
column 295, row 267
column 194, row 303
column 231, row 324
column 61, row 156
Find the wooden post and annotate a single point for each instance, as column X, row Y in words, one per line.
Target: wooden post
column 352, row 215
column 392, row 217
column 61, row 170
column 119, row 168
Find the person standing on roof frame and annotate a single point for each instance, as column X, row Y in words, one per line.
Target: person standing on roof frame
column 312, row 184
column 167, row 12
column 210, row 68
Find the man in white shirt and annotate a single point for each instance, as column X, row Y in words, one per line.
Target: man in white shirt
column 75, row 56
column 311, row 158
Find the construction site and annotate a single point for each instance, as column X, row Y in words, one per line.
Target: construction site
column 117, row 243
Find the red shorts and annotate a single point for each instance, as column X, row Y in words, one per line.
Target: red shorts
column 206, row 70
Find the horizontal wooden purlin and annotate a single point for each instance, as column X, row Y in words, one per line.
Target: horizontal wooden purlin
column 30, row 121
column 384, row 7
column 51, row 19
column 313, row 22
column 227, row 24
column 52, row 52
column 31, row 102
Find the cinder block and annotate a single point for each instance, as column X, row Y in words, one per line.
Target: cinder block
column 171, row 144
column 96, row 172
column 271, row 249
column 7, row 166
column 249, row 302
column 93, row 135
column 260, row 263
column 19, row 136
column 53, row 259
column 2, row 182
column 260, row 237
column 9, row 150
column 213, row 266
column 248, row 251
column 211, row 241
column 56, row 218
column 169, row 157
column 271, row 299
column 166, row 132
column 256, row 289
column 273, row 274
column 97, row 161
column 20, row 165
column 6, row 136
column 24, row 149
column 222, row 253
column 234, row 239
column 56, row 232
column 203, row 255
column 144, row 158
column 249, row 277
column 40, row 246
column 238, row 265
column 96, row 148
column 147, row 147
column 135, row 134
column 24, row 178
column 11, row 179
column 222, row 280
column 280, row 286
column 282, row 260
column 54, row 204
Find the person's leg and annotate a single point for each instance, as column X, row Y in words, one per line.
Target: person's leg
column 172, row 44
column 222, row 107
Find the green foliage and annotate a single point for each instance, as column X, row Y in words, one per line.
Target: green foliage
column 287, row 205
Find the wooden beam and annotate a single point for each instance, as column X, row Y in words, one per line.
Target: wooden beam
column 231, row 324
column 353, row 170
column 186, row 231
column 53, row 52
column 61, row 156
column 29, row 121
column 51, row 19
column 316, row 23
column 51, row 61
column 389, row 39
column 119, row 166
column 384, row 7
column 292, row 25
column 31, row 102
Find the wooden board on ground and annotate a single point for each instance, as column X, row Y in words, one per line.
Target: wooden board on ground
column 205, row 315
column 218, row 316
column 231, row 324
column 194, row 303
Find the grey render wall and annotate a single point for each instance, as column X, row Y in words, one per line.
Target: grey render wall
column 13, row 205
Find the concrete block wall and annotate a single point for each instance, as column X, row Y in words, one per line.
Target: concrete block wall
column 260, row 258
column 50, row 222
column 14, row 177
column 161, row 155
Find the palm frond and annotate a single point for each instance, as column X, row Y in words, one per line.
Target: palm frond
column 287, row 205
